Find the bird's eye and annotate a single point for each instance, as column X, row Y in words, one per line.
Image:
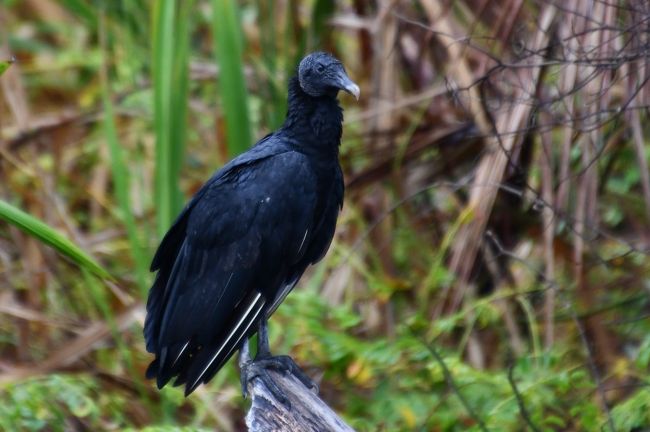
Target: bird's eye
column 320, row 68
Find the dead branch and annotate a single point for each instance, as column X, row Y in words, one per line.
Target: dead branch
column 306, row 412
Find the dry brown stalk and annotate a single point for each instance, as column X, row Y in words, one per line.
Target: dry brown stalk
column 492, row 166
column 548, row 228
column 74, row 349
column 459, row 71
column 586, row 213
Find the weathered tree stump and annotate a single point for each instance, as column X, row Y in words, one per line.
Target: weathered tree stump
column 307, row 412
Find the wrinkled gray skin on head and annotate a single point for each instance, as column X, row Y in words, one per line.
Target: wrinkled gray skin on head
column 322, row 74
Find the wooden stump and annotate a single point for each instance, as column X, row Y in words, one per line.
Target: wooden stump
column 306, row 413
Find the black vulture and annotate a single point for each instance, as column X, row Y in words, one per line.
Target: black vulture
column 245, row 239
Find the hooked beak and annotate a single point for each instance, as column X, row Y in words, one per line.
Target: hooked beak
column 347, row 85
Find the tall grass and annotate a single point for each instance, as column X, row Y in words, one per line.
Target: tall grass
column 119, row 168
column 228, row 41
column 170, row 35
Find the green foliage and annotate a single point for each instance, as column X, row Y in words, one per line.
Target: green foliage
column 634, row 413
column 228, row 41
column 170, row 76
column 122, row 185
column 406, row 384
column 46, row 403
column 643, row 356
column 50, row 236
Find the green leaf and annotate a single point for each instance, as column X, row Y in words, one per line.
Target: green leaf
column 634, row 413
column 171, row 84
column 51, row 237
column 228, row 40
column 553, row 420
column 81, row 9
column 4, row 65
column 321, row 13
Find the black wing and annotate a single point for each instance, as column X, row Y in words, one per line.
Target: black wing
column 170, row 246
column 233, row 250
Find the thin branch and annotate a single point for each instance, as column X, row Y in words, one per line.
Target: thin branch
column 451, row 383
column 520, row 400
column 594, row 370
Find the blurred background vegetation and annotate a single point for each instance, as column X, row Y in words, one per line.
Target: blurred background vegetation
column 490, row 269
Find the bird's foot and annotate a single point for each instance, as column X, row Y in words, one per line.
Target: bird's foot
column 259, row 368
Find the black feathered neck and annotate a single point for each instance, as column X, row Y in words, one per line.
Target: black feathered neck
column 315, row 123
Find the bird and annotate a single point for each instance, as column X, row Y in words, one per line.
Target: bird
column 245, row 238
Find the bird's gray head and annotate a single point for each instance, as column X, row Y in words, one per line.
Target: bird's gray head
column 322, row 74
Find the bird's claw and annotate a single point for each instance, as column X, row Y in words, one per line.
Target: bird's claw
column 259, row 367
column 286, row 364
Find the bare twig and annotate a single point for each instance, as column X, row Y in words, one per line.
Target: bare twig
column 520, row 400
column 451, row 383
column 594, row 370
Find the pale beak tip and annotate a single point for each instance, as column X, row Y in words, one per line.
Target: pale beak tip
column 354, row 90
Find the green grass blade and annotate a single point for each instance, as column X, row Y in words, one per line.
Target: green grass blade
column 170, row 78
column 274, row 93
column 321, row 13
column 50, row 236
column 4, row 65
column 162, row 66
column 81, row 9
column 180, row 89
column 228, row 41
column 121, row 181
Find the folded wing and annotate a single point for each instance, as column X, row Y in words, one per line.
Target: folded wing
column 239, row 242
